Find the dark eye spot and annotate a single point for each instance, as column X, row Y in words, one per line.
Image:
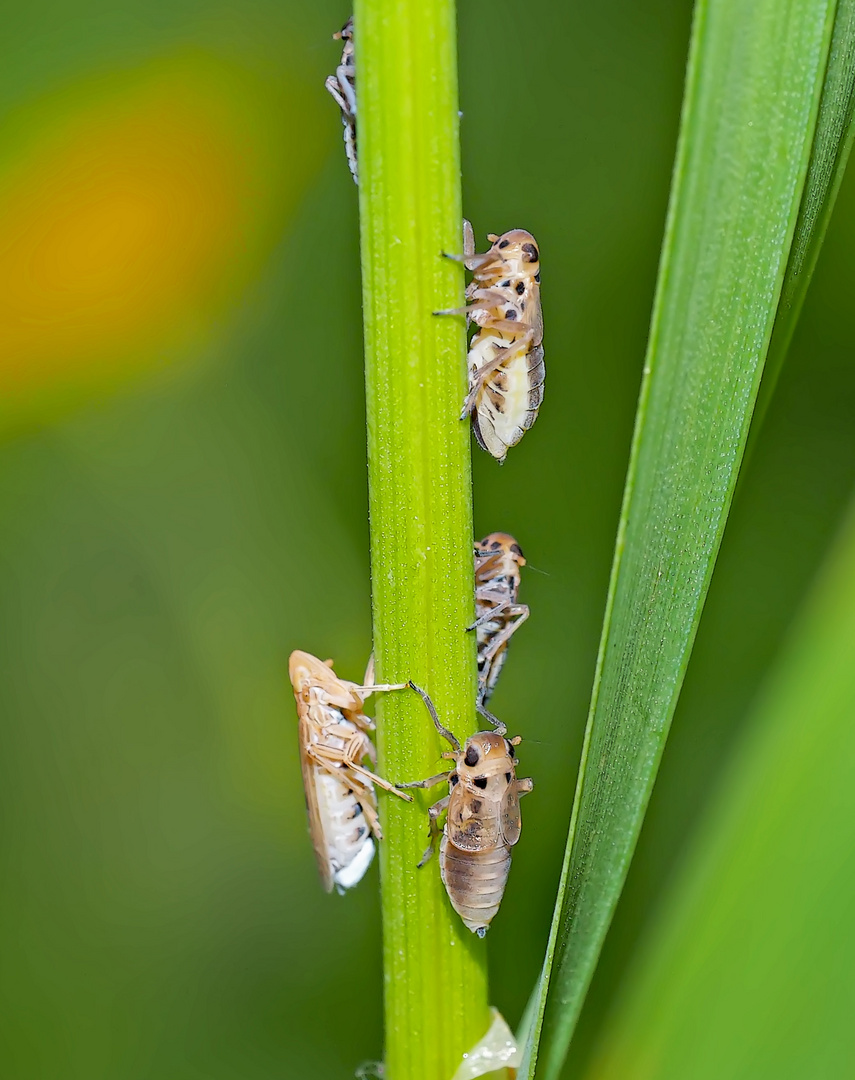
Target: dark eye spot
column 476, row 806
column 480, row 782
column 505, row 284
column 496, row 544
column 532, row 252
column 520, row 287
column 511, row 751
column 471, row 756
column 504, row 243
column 537, row 277
column 508, row 777
column 510, row 314
column 517, row 550
column 360, row 832
column 453, row 780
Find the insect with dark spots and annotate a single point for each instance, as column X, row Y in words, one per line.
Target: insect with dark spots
column 342, row 86
column 339, row 789
column 506, row 370
column 483, row 821
column 498, row 560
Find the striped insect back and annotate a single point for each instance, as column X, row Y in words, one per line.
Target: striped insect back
column 339, row 789
column 506, row 370
column 342, row 86
column 498, row 559
column 483, row 821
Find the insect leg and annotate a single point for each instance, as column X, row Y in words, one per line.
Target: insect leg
column 489, row 369
column 444, row 732
column 487, row 299
column 332, row 84
column 373, row 820
column 349, row 91
column 431, row 781
column 434, row 813
column 524, row 786
column 508, row 630
column 491, row 612
column 501, row 729
column 331, row 758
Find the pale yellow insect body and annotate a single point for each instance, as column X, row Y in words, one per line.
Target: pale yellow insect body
column 342, row 86
column 498, row 560
column 483, row 821
column 339, row 789
column 505, row 361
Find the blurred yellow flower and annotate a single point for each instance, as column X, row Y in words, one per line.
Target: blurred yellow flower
column 131, row 218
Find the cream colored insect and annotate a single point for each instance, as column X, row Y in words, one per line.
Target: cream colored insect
column 483, row 821
column 334, row 743
column 342, row 86
column 506, row 370
column 498, row 559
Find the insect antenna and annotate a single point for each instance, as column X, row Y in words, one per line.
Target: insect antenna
column 444, row 732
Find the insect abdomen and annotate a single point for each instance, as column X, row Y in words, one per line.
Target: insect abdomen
column 350, row 848
column 475, row 882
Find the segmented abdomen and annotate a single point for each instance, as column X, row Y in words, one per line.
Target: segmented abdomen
column 475, row 882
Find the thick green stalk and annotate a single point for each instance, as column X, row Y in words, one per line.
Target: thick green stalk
column 421, row 506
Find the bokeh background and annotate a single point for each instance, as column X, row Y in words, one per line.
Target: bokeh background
column 183, row 501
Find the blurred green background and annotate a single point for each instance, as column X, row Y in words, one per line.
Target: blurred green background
column 183, row 499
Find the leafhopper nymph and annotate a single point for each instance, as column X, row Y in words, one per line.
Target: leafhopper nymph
column 498, row 559
column 339, row 789
column 483, row 821
column 342, row 86
column 506, row 370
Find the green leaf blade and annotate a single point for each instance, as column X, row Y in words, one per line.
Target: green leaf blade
column 749, row 969
column 753, row 89
column 832, row 143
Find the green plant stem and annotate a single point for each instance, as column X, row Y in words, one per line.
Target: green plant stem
column 435, row 979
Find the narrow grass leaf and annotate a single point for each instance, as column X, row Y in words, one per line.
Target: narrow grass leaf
column 753, row 88
column 749, row 972
column 831, row 145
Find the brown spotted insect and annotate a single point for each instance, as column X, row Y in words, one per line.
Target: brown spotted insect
column 498, row 559
column 506, row 370
column 339, row 789
column 483, row 821
column 342, row 86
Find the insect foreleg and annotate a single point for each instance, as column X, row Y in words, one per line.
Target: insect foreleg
column 444, row 732
column 332, row 84
column 482, row 709
column 342, row 74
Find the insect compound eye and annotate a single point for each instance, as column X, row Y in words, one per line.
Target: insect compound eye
column 510, row 314
column 504, row 243
column 480, row 782
column 471, row 757
column 520, row 287
column 531, row 251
